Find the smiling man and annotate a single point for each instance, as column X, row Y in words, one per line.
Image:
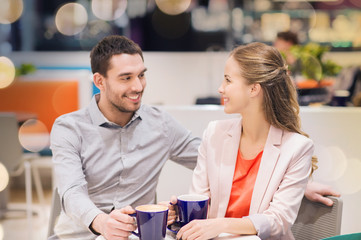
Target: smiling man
column 108, row 156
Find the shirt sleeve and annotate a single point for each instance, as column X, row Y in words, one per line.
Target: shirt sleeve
column 183, row 145
column 200, row 183
column 70, row 179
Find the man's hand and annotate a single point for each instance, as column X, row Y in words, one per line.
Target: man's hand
column 172, row 214
column 115, row 225
column 316, row 192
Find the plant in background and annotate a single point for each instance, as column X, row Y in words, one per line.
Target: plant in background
column 24, row 68
column 312, row 64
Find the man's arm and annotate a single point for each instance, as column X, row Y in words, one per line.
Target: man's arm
column 317, row 192
column 71, row 182
column 184, row 146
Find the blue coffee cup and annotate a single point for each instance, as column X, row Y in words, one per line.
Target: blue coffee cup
column 151, row 221
column 190, row 207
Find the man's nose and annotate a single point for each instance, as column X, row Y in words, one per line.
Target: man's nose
column 137, row 85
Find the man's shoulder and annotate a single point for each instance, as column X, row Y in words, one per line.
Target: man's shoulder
column 154, row 111
column 76, row 116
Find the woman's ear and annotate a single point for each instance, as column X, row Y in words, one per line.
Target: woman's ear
column 256, row 89
column 98, row 80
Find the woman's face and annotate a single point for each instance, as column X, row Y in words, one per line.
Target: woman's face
column 234, row 90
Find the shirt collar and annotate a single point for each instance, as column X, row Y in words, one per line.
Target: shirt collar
column 100, row 120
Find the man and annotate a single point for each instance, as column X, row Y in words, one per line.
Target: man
column 108, row 156
column 284, row 42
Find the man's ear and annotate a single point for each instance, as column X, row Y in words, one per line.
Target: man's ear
column 98, row 80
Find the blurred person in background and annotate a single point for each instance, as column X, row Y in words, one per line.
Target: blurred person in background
column 284, row 42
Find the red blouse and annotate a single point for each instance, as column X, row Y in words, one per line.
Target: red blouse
column 244, row 178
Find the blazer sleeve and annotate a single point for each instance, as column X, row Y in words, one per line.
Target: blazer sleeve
column 277, row 214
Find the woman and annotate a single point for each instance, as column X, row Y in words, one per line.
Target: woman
column 255, row 168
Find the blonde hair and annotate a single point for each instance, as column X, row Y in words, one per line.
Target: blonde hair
column 263, row 64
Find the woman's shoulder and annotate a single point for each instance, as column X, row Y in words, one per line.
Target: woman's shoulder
column 296, row 139
column 223, row 125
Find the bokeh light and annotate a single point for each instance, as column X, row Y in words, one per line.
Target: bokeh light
column 7, row 72
column 71, row 19
column 173, row 7
column 1, row 232
column 272, row 23
column 4, row 180
column 349, row 182
column 94, row 31
column 10, row 10
column 302, row 8
column 332, row 162
column 109, row 10
column 33, row 135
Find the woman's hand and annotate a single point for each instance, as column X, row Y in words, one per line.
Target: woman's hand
column 172, row 213
column 201, row 229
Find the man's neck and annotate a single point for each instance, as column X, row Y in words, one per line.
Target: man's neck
column 112, row 114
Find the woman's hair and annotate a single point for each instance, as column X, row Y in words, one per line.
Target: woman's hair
column 263, row 64
column 108, row 47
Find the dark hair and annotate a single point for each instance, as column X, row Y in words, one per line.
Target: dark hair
column 109, row 46
column 288, row 36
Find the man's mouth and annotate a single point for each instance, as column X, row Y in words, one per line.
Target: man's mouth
column 135, row 97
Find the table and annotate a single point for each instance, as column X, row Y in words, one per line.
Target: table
column 222, row 236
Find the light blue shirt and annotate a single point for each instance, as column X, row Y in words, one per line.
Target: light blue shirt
column 99, row 165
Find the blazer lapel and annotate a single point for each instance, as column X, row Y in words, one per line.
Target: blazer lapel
column 227, row 166
column 269, row 160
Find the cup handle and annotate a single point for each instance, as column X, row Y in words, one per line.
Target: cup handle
column 175, row 225
column 133, row 232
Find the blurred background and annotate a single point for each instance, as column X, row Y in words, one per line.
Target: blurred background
column 175, row 25
column 45, row 72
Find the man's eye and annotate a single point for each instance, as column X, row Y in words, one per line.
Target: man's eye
column 125, row 78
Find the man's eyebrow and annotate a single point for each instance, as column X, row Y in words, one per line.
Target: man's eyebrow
column 129, row 73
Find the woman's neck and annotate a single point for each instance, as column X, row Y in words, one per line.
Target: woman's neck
column 255, row 127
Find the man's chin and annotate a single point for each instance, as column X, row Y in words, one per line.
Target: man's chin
column 131, row 109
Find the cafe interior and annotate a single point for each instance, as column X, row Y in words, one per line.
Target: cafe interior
column 45, row 72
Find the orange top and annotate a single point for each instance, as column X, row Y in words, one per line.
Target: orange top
column 244, row 178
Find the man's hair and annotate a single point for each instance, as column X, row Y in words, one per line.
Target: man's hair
column 108, row 47
column 288, row 36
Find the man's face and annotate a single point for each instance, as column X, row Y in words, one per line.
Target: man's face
column 125, row 82
column 282, row 45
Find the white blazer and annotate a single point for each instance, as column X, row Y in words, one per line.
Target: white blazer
column 280, row 184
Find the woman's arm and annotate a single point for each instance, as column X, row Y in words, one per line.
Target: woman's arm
column 210, row 228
